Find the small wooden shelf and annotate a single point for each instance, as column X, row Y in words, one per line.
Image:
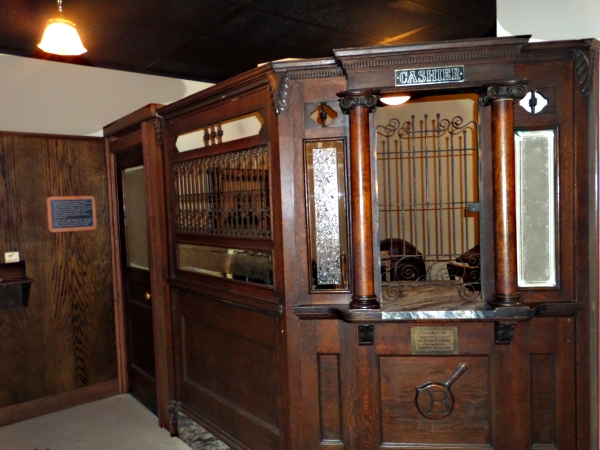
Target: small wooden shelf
column 14, row 285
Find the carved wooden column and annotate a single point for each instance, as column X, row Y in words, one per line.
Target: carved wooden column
column 502, row 97
column 358, row 104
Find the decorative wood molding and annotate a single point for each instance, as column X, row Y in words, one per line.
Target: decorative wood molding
column 159, row 130
column 429, row 59
column 280, row 89
column 582, row 68
column 34, row 408
column 317, row 73
column 491, row 93
column 347, row 102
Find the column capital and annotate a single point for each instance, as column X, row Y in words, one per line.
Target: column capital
column 511, row 90
column 358, row 98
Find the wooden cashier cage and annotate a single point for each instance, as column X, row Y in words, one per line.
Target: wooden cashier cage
column 326, row 271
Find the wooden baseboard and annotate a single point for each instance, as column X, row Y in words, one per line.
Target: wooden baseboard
column 34, row 408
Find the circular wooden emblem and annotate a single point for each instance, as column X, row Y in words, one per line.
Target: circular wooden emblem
column 434, row 401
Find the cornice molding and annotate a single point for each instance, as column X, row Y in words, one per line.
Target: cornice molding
column 382, row 61
column 280, row 86
column 317, row 73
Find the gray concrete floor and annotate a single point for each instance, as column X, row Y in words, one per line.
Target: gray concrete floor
column 115, row 423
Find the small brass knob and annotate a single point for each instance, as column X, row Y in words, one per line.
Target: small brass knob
column 148, row 296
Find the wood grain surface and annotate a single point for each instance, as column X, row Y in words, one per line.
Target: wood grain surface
column 64, row 340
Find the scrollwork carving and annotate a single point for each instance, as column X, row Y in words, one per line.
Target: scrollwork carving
column 490, row 94
column 279, row 92
column 159, row 131
column 348, row 102
column 582, row 67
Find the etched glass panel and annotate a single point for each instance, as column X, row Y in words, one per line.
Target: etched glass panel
column 224, row 195
column 536, row 248
column 327, row 214
column 134, row 213
column 235, row 264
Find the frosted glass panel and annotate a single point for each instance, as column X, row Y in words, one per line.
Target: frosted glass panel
column 134, row 205
column 536, row 248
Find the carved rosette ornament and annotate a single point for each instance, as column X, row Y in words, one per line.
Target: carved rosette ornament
column 492, row 93
column 348, row 102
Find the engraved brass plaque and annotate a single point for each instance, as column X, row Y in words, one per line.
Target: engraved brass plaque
column 434, row 340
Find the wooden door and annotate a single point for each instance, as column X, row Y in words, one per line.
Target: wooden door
column 135, row 266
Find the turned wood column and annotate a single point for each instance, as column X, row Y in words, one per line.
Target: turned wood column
column 501, row 98
column 358, row 105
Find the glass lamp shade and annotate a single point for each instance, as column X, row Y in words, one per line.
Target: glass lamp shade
column 396, row 100
column 61, row 38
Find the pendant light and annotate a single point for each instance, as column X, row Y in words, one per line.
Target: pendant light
column 395, row 100
column 61, row 38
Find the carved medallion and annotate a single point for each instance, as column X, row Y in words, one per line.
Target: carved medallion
column 435, row 400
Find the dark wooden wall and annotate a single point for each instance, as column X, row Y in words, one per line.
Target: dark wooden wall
column 64, row 340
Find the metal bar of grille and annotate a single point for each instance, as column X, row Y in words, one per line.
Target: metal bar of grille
column 226, row 194
column 426, row 182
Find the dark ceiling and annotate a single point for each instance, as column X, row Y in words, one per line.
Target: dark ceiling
column 211, row 40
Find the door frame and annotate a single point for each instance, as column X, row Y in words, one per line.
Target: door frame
column 123, row 136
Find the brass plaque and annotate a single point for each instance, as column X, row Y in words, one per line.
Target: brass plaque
column 434, row 340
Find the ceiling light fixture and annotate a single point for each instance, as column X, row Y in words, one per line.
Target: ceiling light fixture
column 61, row 38
column 396, row 100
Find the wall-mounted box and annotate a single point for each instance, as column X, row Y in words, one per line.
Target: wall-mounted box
column 14, row 285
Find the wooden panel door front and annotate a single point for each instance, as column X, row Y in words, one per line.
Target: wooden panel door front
column 139, row 333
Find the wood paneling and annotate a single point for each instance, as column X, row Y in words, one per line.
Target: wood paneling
column 64, row 340
column 227, row 368
column 527, row 387
column 329, row 398
column 543, row 399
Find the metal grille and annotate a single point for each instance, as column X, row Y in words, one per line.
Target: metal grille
column 225, row 195
column 428, row 204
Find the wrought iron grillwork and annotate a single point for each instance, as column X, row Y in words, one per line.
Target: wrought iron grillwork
column 224, row 195
column 428, row 175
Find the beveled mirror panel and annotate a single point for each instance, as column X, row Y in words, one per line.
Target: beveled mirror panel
column 236, row 264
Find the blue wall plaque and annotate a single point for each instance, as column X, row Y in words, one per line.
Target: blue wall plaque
column 71, row 213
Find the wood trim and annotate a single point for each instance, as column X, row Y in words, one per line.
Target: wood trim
column 159, row 272
column 113, row 207
column 34, row 408
column 131, row 120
